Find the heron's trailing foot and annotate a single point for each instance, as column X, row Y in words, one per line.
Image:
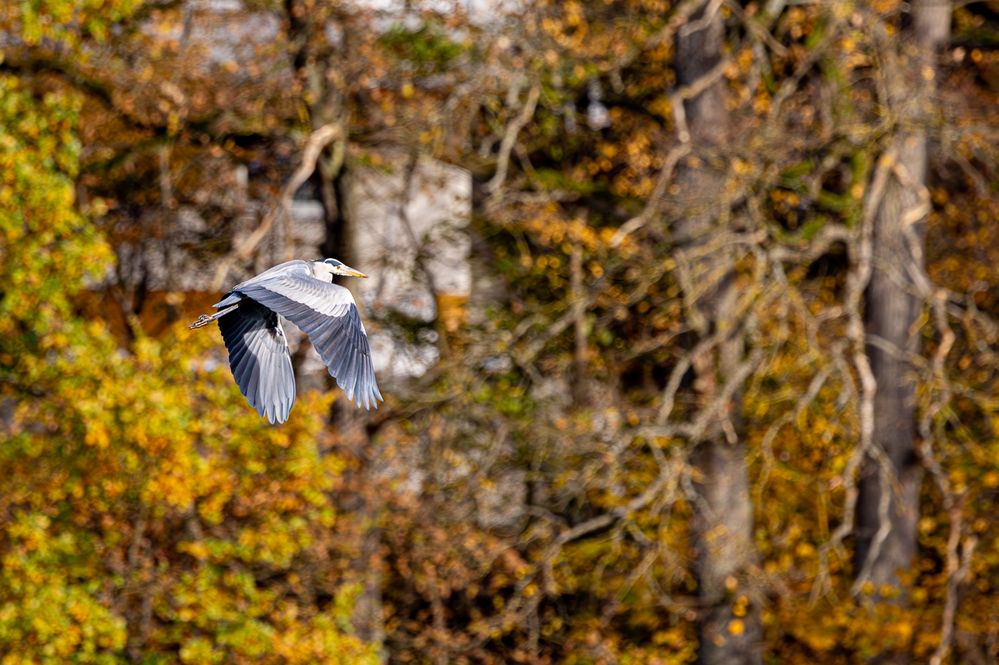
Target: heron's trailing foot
column 205, row 319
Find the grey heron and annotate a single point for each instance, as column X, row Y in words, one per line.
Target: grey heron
column 304, row 293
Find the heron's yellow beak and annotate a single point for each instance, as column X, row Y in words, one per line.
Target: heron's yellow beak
column 347, row 271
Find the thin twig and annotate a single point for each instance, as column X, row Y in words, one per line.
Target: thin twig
column 318, row 140
column 495, row 184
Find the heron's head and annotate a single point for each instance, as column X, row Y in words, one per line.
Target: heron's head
column 327, row 268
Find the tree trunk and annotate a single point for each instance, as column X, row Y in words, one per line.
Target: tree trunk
column 890, row 476
column 729, row 627
column 320, row 73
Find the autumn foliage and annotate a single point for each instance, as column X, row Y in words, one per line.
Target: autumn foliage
column 648, row 296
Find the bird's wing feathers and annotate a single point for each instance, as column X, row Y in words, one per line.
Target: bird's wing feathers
column 327, row 314
column 259, row 359
column 293, row 267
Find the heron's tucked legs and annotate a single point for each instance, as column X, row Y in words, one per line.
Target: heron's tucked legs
column 205, row 319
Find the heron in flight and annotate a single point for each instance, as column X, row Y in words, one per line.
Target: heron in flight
column 304, row 293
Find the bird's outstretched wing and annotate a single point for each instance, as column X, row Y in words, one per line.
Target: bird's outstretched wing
column 328, row 315
column 259, row 359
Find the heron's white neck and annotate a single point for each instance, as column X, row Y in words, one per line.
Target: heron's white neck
column 322, row 271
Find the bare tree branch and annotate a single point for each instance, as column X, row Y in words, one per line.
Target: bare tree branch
column 495, row 184
column 318, row 140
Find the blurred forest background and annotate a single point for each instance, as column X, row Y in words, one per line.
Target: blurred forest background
column 686, row 313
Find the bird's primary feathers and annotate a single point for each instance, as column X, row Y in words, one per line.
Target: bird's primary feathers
column 303, row 293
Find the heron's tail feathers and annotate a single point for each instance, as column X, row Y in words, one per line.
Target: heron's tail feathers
column 205, row 319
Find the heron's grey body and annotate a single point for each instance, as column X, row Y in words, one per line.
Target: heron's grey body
column 303, row 293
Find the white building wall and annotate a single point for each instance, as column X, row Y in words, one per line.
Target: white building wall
column 409, row 233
